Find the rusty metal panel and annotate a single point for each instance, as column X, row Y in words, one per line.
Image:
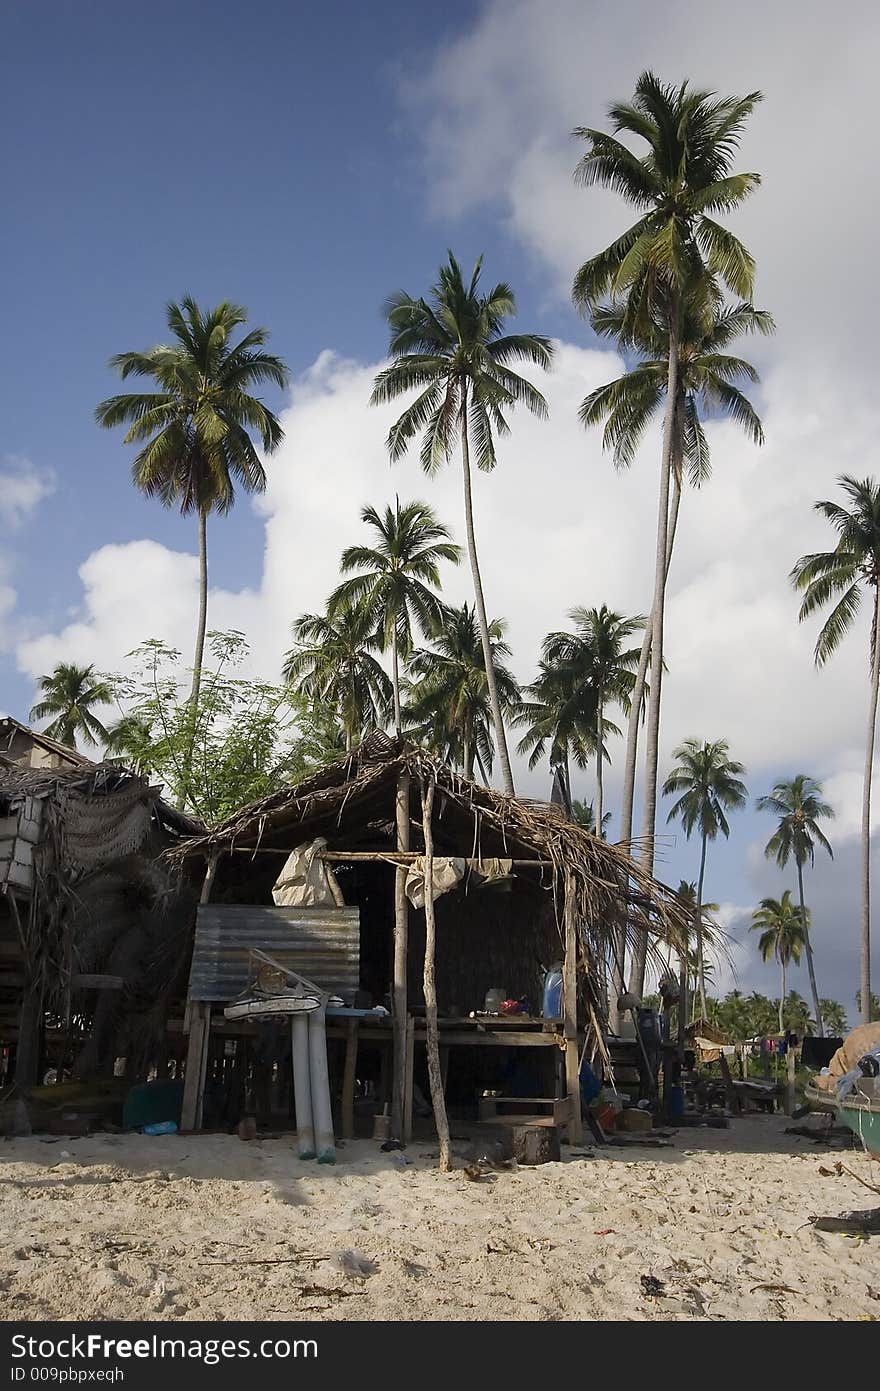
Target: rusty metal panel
column 322, row 944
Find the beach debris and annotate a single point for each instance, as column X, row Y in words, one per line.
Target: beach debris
column 776, row 1289
column 865, row 1223
column 400, row 1160
column 391, row 1145
column 247, row 1128
column 354, row 1265
column 475, row 1172
column 652, row 1288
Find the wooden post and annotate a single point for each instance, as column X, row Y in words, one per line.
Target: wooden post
column 409, row 1049
column 432, row 1038
column 569, row 1008
column 398, row 997
column 199, row 1013
column 348, row 1079
column 790, row 1075
column 196, row 1067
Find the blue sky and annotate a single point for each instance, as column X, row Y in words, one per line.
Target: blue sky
column 307, row 160
column 258, row 154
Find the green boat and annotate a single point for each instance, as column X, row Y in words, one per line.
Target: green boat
column 857, row 1110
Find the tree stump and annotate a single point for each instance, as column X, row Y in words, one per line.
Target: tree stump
column 535, row 1144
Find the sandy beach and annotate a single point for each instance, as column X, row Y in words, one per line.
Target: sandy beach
column 210, row 1227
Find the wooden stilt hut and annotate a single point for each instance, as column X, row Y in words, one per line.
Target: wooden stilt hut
column 534, row 889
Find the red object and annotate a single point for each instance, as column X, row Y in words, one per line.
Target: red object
column 606, row 1116
column 512, row 1007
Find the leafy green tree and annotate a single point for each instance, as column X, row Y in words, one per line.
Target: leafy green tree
column 840, row 578
column 334, row 664
column 452, row 349
column 130, row 740
column 195, row 430
column 397, row 579
column 796, row 1015
column 70, row 694
column 708, row 380
column 448, row 702
column 834, row 1018
column 781, row 924
column 240, row 746
column 798, row 804
column 596, row 657
column 708, row 782
column 657, row 265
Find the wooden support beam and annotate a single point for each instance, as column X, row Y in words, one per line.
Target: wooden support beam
column 196, row 1067
column 348, row 1079
column 199, row 1014
column 408, row 1079
column 391, row 857
column 569, row 1015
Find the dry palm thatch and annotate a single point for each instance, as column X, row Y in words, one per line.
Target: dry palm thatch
column 610, row 891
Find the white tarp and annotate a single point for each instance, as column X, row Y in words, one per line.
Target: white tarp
column 446, row 874
column 306, row 881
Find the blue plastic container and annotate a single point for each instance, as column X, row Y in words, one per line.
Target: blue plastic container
column 552, row 1003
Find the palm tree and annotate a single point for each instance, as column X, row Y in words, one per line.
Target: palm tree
column 833, row 1016
column 397, row 579
column 333, row 665
column 560, row 715
column 709, row 783
column 70, row 693
column 448, row 700
column 781, row 924
column 584, row 814
column 195, row 430
column 659, row 264
column 707, row 382
column 452, row 349
column 131, row 740
column 796, row 1014
column 798, row 804
column 841, row 576
column 693, row 953
column 595, row 655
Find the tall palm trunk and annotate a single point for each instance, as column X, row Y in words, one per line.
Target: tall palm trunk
column 395, row 680
column 638, row 690
column 632, row 744
column 652, row 737
column 865, row 952
column 813, row 987
column 782, row 996
column 600, row 730
column 701, row 974
column 467, row 750
column 500, row 738
column 198, row 661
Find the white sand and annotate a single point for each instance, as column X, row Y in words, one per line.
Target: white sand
column 171, row 1227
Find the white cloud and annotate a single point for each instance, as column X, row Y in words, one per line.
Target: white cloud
column 22, row 488
column 496, row 109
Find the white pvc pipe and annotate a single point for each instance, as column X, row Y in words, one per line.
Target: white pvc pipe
column 321, row 1110
column 302, row 1085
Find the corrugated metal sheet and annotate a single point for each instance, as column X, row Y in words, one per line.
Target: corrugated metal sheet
column 322, row 944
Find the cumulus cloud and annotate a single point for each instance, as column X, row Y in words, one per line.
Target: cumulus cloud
column 22, row 488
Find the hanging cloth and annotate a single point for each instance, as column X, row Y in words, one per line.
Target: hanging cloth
column 446, row 874
column 306, row 881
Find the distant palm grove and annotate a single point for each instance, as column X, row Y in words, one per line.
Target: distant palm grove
column 673, row 291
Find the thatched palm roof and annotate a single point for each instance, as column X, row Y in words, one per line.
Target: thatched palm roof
column 351, row 803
